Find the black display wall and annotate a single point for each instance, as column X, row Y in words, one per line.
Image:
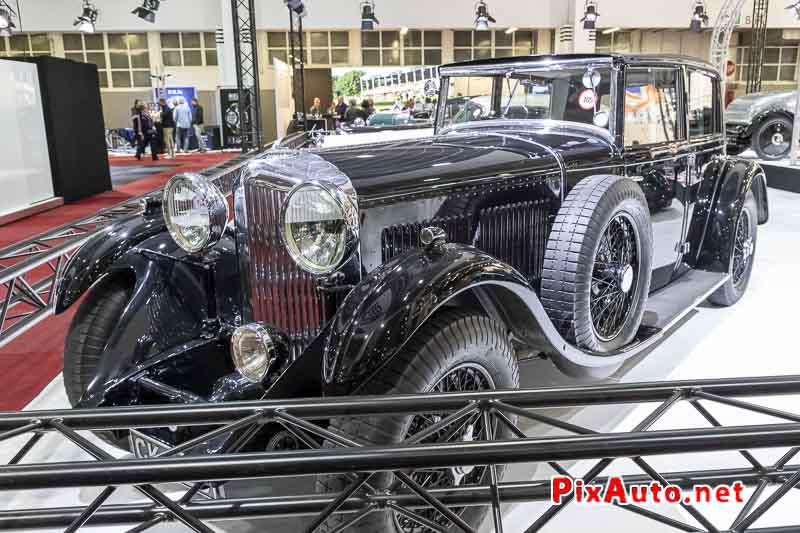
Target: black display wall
column 73, row 116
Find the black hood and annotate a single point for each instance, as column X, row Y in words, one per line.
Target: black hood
column 466, row 155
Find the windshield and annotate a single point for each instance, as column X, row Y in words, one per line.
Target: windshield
column 581, row 94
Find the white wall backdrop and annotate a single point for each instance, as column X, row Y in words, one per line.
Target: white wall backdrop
column 25, row 176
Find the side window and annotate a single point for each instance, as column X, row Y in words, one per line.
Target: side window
column 651, row 105
column 701, row 104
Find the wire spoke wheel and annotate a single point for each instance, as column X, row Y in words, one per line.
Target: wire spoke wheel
column 463, row 378
column 615, row 277
column 742, row 249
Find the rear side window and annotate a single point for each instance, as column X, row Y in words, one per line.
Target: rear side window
column 701, row 105
column 651, row 105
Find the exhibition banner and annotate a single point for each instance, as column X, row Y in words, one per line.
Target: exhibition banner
column 171, row 94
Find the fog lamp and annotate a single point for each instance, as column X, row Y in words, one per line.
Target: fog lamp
column 255, row 348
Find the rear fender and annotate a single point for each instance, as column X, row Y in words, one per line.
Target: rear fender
column 722, row 194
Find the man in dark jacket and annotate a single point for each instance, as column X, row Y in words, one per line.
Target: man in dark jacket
column 144, row 129
column 168, row 125
column 198, row 124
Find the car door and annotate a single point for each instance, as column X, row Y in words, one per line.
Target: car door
column 705, row 141
column 655, row 154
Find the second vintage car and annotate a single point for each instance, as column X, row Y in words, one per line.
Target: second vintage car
column 575, row 207
column 763, row 122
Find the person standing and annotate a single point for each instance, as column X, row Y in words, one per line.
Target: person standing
column 144, row 129
column 183, row 122
column 315, row 112
column 341, row 109
column 168, row 125
column 198, row 125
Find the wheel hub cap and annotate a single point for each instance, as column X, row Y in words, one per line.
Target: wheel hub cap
column 777, row 139
column 626, row 279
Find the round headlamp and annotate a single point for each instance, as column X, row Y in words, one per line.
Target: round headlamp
column 320, row 227
column 195, row 211
column 255, row 349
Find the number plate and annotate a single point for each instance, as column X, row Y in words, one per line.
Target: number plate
column 144, row 446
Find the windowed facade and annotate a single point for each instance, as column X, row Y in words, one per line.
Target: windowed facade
column 470, row 44
column 380, row 48
column 329, row 47
column 25, row 45
column 422, row 47
column 129, row 60
column 188, row 49
column 88, row 48
column 617, row 41
column 321, row 47
column 780, row 58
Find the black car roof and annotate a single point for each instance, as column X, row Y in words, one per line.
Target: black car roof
column 521, row 61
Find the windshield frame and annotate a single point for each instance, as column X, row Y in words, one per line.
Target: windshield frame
column 530, row 66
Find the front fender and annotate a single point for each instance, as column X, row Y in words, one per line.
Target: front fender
column 99, row 254
column 381, row 314
column 723, row 192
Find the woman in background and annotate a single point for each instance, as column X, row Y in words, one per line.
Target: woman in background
column 143, row 129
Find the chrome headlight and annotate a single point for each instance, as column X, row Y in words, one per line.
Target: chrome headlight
column 320, row 227
column 255, row 349
column 195, row 211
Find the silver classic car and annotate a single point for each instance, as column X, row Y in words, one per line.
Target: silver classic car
column 762, row 122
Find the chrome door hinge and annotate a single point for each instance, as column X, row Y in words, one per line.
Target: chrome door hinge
column 683, row 248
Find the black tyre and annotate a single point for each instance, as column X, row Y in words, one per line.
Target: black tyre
column 743, row 242
column 598, row 263
column 773, row 138
column 88, row 334
column 454, row 351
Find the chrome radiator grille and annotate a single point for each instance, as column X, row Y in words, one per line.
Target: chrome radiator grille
column 281, row 294
column 515, row 233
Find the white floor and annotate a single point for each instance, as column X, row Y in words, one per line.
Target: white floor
column 754, row 338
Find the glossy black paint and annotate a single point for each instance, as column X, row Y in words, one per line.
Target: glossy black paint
column 183, row 308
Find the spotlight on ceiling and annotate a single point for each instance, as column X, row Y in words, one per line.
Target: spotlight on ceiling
column 147, row 11
column 7, row 15
column 368, row 18
column 699, row 16
column 297, row 6
column 590, row 15
column 482, row 16
column 87, row 20
column 796, row 8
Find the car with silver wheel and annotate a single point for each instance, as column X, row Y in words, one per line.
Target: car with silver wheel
column 571, row 206
column 763, row 122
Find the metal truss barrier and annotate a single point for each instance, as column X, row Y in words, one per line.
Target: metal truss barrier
column 29, row 269
column 437, row 446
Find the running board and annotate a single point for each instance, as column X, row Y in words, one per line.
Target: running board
column 668, row 306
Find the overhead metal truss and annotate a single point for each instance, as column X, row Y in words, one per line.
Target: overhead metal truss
column 331, row 451
column 245, row 44
column 29, row 269
column 757, row 46
column 726, row 20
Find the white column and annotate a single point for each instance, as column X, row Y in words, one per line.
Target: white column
column 226, row 53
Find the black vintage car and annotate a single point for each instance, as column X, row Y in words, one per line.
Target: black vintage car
column 575, row 207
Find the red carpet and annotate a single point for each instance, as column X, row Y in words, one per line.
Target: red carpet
column 32, row 360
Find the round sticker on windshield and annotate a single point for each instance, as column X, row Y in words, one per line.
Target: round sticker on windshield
column 601, row 119
column 591, row 79
column 587, row 99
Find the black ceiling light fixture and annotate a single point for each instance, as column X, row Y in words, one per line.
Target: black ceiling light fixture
column 298, row 6
column 87, row 20
column 699, row 16
column 147, row 11
column 590, row 15
column 368, row 18
column 482, row 16
column 7, row 16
